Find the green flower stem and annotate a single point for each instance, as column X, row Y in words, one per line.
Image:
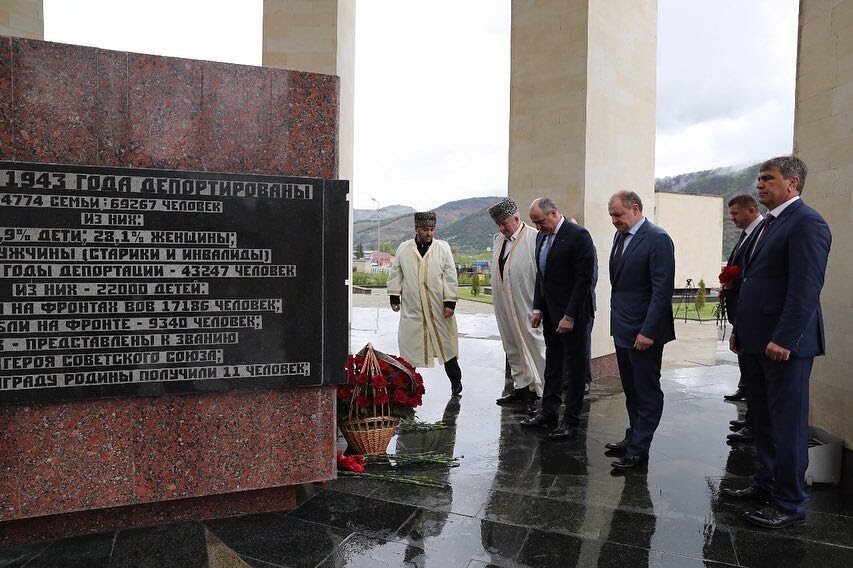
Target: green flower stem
column 397, row 478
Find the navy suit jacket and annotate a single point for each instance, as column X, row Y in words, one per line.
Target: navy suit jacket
column 566, row 287
column 780, row 293
column 642, row 287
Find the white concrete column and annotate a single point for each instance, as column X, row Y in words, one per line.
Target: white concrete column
column 582, row 114
column 22, row 18
column 823, row 138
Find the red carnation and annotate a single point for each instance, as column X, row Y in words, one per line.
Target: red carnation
column 397, row 382
column 379, row 382
column 362, row 401
column 381, row 398
column 401, row 397
column 729, row 274
column 344, row 392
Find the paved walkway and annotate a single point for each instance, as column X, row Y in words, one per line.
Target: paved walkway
column 517, row 498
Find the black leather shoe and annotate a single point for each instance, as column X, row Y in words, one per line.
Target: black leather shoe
column 737, row 395
column 743, row 435
column 456, row 390
column 620, row 445
column 540, row 421
column 773, row 518
column 564, row 431
column 515, row 396
column 752, row 493
column 737, row 424
column 630, row 462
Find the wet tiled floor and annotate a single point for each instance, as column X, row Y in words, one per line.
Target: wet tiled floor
column 517, row 498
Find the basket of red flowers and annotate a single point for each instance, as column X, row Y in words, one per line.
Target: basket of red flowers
column 380, row 390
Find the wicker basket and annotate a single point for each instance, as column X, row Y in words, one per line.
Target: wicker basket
column 369, row 436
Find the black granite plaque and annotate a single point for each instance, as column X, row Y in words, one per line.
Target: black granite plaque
column 119, row 282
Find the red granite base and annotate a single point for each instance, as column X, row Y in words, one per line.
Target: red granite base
column 604, row 365
column 53, row 527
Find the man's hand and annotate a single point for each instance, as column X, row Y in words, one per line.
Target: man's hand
column 642, row 342
column 395, row 307
column 535, row 320
column 777, row 352
column 565, row 326
column 448, row 312
column 733, row 345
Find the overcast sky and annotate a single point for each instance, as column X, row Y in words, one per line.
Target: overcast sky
column 432, row 81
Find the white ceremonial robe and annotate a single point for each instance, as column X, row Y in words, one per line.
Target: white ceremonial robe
column 512, row 296
column 424, row 284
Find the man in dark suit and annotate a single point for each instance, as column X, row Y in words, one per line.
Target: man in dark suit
column 562, row 304
column 779, row 331
column 743, row 212
column 642, row 277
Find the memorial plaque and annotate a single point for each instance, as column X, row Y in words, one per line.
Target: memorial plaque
column 119, row 282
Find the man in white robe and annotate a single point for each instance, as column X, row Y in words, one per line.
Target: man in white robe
column 513, row 284
column 423, row 288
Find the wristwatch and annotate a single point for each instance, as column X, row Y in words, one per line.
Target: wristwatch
column 567, row 318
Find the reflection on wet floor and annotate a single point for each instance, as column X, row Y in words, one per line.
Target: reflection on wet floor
column 518, row 498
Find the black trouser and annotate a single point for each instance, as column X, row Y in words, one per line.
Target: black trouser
column 454, row 373
column 565, row 369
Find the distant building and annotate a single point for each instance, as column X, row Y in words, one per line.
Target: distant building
column 695, row 223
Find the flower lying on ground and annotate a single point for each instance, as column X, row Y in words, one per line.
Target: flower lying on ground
column 354, row 463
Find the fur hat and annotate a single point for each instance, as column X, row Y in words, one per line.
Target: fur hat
column 425, row 219
column 503, row 209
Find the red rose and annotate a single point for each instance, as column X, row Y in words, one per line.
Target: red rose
column 361, row 377
column 419, row 379
column 419, row 389
column 385, row 368
column 344, row 392
column 362, row 401
column 397, row 382
column 401, row 397
column 381, row 398
column 415, row 401
column 379, row 382
column 729, row 274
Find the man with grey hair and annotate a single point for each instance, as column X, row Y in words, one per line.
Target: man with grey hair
column 562, row 304
column 424, row 289
column 513, row 282
column 642, row 277
column 778, row 331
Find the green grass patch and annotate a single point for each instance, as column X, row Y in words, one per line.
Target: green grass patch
column 465, row 293
column 682, row 310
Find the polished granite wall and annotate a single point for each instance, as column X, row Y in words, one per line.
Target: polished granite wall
column 79, row 105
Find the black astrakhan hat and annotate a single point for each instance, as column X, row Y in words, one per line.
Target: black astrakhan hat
column 503, row 209
column 425, row 219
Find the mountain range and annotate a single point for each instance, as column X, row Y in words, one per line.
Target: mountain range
column 469, row 229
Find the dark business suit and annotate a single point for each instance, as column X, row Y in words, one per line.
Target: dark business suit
column 779, row 302
column 641, row 303
column 565, row 289
column 732, row 292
